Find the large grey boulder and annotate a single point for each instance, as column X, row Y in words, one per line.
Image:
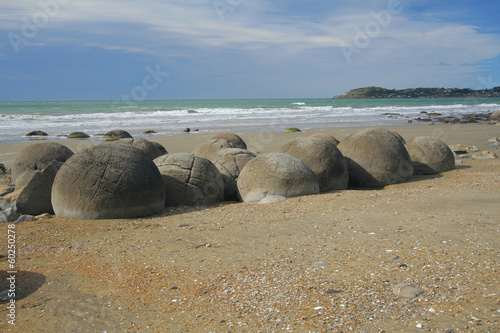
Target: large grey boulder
column 327, row 137
column 211, row 147
column 324, row 159
column 108, row 181
column 190, row 180
column 146, row 146
column 495, row 116
column 116, row 135
column 276, row 174
column 35, row 197
column 430, row 155
column 230, row 162
column 232, row 138
column 376, row 157
column 37, row 157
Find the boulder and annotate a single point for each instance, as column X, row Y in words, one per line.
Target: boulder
column 146, row 146
column 327, row 137
column 324, row 159
column 190, row 180
column 485, row 155
column 78, row 135
column 108, row 181
column 430, row 155
column 116, row 135
column 495, row 116
column 207, row 149
column 232, row 138
column 160, row 147
column 37, row 157
column 292, row 130
column 230, row 162
column 399, row 136
column 37, row 133
column 35, row 197
column 460, row 149
column 276, row 174
column 376, row 157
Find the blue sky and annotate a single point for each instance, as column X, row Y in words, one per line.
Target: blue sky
column 197, row 49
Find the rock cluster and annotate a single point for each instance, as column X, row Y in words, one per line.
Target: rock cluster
column 131, row 178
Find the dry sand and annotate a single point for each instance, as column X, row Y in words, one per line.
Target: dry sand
column 322, row 263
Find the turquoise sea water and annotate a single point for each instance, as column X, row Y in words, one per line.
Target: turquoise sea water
column 173, row 116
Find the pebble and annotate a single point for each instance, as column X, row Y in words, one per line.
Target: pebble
column 406, row 290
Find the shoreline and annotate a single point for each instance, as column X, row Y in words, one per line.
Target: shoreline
column 270, row 141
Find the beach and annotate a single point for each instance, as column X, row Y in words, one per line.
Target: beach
column 322, row 263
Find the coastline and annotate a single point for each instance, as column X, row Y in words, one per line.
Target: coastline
column 270, row 141
column 326, row 262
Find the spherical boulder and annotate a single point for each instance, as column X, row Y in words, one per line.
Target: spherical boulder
column 207, row 149
column 232, row 138
column 37, row 157
column 190, row 180
column 327, row 137
column 146, row 146
column 324, row 159
column 376, row 157
column 160, row 147
column 495, row 116
column 276, row 174
column 230, row 162
column 430, row 155
column 116, row 135
column 108, row 181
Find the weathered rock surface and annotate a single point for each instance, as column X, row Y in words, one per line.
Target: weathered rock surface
column 211, row 147
column 324, row 159
column 160, row 147
column 230, row 162
column 35, row 197
column 146, row 146
column 495, row 116
column 116, row 135
column 276, row 174
column 376, row 157
column 37, row 157
column 430, row 155
column 37, row 133
column 190, row 180
column 485, row 155
column 232, row 138
column 327, row 137
column 108, row 181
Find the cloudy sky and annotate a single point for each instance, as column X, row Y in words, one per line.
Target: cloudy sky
column 197, row 49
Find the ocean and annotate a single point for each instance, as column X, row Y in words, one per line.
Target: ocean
column 95, row 118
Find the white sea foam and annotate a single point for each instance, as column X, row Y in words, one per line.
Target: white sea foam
column 15, row 125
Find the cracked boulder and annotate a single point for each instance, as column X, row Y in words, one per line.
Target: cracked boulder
column 211, row 147
column 37, row 157
column 232, row 138
column 151, row 149
column 276, row 174
column 35, row 197
column 230, row 162
column 376, row 157
column 430, row 155
column 108, row 181
column 324, row 159
column 190, row 180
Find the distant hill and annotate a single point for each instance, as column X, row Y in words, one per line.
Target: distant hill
column 378, row 92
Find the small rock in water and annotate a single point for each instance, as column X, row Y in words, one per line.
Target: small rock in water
column 406, row 290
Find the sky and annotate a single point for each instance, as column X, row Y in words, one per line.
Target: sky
column 242, row 49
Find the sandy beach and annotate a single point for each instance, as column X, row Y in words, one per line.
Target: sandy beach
column 321, row 263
